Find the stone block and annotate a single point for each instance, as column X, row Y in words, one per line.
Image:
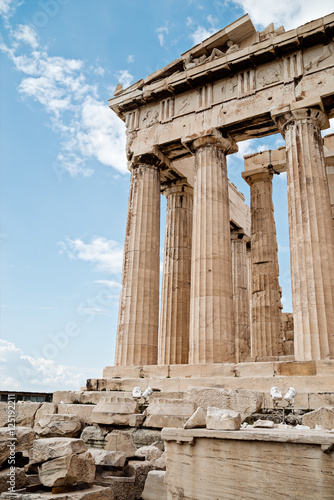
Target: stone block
column 94, row 437
column 168, row 413
column 16, row 479
column 296, row 368
column 55, row 447
column 323, row 416
column 111, row 458
column 83, row 411
column 46, row 409
column 58, row 426
column 24, row 413
column 219, row 419
column 67, row 397
column 68, row 470
column 93, row 493
column 197, row 419
column 145, row 437
column 94, row 397
column 120, row 441
column 21, row 441
column 155, row 486
column 117, row 411
column 242, row 401
column 149, row 453
column 317, row 400
column 139, row 471
column 264, row 424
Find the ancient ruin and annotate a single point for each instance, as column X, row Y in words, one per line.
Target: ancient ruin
column 215, row 392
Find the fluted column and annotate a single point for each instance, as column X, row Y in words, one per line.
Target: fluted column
column 241, row 306
column 137, row 333
column 311, row 234
column 175, row 292
column 266, row 295
column 211, row 297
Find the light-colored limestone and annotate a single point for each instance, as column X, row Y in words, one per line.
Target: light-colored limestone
column 145, row 437
column 83, row 411
column 25, row 413
column 204, row 464
column 175, row 293
column 46, row 409
column 68, row 470
column 13, row 441
column 168, row 413
column 211, row 337
column 265, row 424
column 111, row 458
column 50, row 448
column 218, row 419
column 198, row 419
column 149, row 453
column 117, row 411
column 93, row 437
column 266, row 296
column 242, row 401
column 155, row 486
column 311, row 233
column 241, row 299
column 137, row 333
column 322, row 416
column 120, row 441
column 67, row 397
column 58, row 425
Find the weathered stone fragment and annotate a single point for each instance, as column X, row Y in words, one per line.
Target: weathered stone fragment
column 21, row 441
column 198, row 419
column 120, row 441
column 243, row 401
column 58, row 426
column 265, row 424
column 117, row 411
column 149, row 453
column 323, row 416
column 84, row 412
column 103, row 457
column 155, row 486
column 55, row 447
column 93, row 436
column 219, row 419
column 46, row 409
column 145, row 437
column 68, row 470
column 12, row 478
column 67, row 397
column 168, row 413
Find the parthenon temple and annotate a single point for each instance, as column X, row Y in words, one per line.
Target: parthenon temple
column 220, row 300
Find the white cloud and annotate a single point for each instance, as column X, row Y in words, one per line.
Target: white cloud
column 124, row 77
column 130, row 58
column 200, row 34
column 106, row 255
column 26, row 34
column 162, row 31
column 287, row 13
column 111, row 284
column 19, row 371
column 8, row 7
column 87, row 127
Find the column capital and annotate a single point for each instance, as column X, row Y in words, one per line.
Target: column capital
column 179, row 186
column 211, row 137
column 300, row 114
column 256, row 175
column 238, row 234
column 148, row 159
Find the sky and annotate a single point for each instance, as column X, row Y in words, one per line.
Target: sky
column 64, row 181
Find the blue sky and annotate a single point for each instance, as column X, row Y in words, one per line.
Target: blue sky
column 64, row 183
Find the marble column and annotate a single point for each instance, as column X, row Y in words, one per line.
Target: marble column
column 138, row 321
column 266, row 294
column 211, row 298
column 241, row 306
column 175, row 292
column 311, row 234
